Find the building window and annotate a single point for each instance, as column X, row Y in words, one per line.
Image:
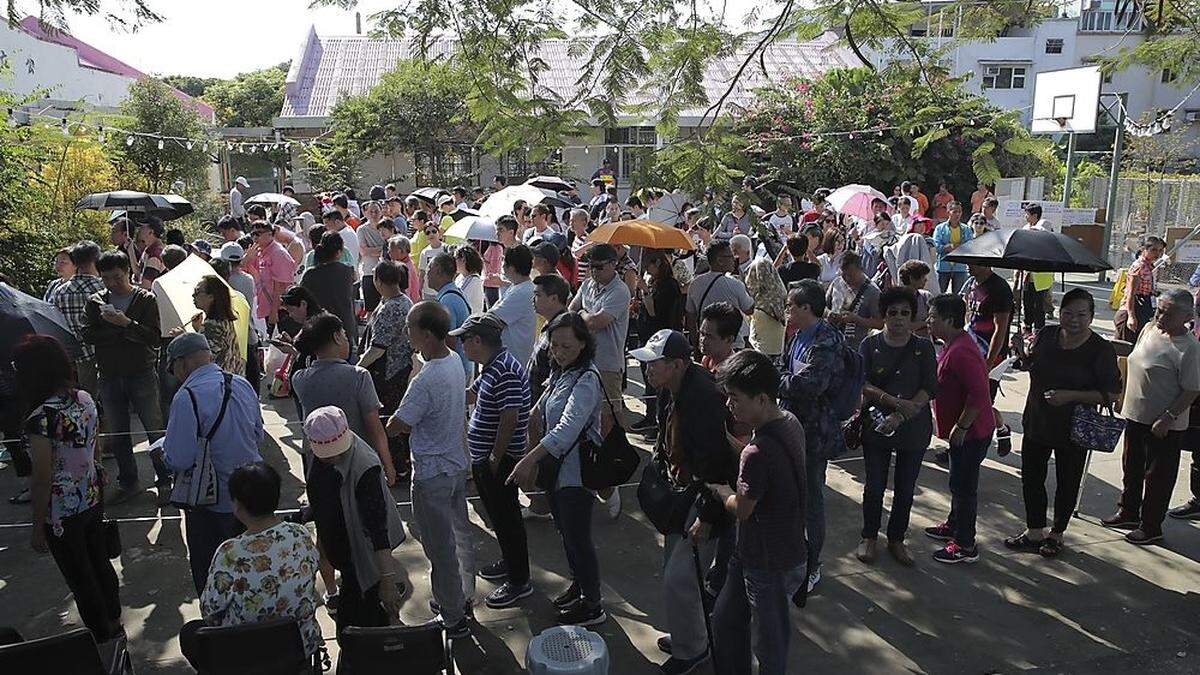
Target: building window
column 515, row 165
column 917, row 32
column 443, row 165
column 1054, row 46
column 1168, row 76
column 1004, row 77
column 628, row 161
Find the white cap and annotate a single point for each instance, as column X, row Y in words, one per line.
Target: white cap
column 241, row 180
column 231, row 251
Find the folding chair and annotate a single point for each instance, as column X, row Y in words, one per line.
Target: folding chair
column 263, row 648
column 412, row 650
column 71, row 652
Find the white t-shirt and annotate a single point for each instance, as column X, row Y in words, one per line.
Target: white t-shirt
column 427, row 255
column 350, row 239
column 472, row 287
column 784, row 224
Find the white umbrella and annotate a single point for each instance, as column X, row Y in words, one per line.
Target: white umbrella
column 669, row 209
column 500, row 203
column 272, row 199
column 473, row 228
column 173, row 293
column 855, row 200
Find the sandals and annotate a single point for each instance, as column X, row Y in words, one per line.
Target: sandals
column 1051, row 546
column 1024, row 544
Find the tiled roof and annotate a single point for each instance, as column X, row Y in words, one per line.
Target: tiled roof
column 329, row 68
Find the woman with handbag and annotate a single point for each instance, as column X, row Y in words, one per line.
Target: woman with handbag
column 68, row 515
column 901, row 379
column 568, row 409
column 1071, row 369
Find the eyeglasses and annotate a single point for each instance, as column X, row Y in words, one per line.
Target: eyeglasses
column 430, row 232
column 899, row 312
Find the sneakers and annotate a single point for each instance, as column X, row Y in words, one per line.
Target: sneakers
column 568, row 597
column 940, row 532
column 614, row 504
column 900, row 552
column 459, row 630
column 674, row 666
column 507, row 595
column 664, row 644
column 529, row 514
column 866, row 551
column 1189, row 511
column 583, row 613
column 497, row 571
column 643, row 423
column 1140, row 537
column 953, row 553
column 164, row 488
column 1003, row 440
column 1120, row 521
column 813, row 578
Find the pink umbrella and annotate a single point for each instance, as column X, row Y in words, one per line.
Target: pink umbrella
column 855, row 200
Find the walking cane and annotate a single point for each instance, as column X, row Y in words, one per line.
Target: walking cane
column 1087, row 464
column 712, row 647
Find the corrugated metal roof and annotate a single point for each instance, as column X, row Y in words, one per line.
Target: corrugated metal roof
column 331, row 67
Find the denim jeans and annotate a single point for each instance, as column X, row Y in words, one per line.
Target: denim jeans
column 814, row 508
column 206, row 531
column 758, row 599
column 120, row 396
column 571, row 508
column 964, row 488
column 440, row 512
column 908, row 467
column 952, row 280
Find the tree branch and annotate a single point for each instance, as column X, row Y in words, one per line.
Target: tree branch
column 854, row 46
column 715, row 108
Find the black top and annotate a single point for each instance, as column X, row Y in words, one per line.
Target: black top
column 324, row 487
column 668, row 306
column 797, row 271
column 332, row 284
column 1091, row 366
column 917, row 371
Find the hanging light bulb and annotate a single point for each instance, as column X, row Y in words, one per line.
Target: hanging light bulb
column 161, row 144
column 253, row 148
column 65, row 130
column 128, row 141
column 100, row 133
column 586, row 150
column 189, row 145
column 851, row 135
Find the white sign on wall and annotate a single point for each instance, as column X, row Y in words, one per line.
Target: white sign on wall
column 1011, row 213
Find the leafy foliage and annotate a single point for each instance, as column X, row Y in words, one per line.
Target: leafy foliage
column 153, row 108
column 248, row 100
column 124, row 14
column 190, row 84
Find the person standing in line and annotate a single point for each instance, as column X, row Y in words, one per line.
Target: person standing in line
column 568, row 409
column 901, row 379
column 121, row 322
column 223, row 408
column 371, row 245
column 853, row 302
column 1162, row 382
column 432, row 414
column 332, row 282
column 941, row 202
column 515, row 307
column 989, row 301
column 963, row 411
column 718, row 285
column 768, row 565
column 948, row 236
column 496, row 435
column 71, row 299
column 469, row 267
column 273, row 269
column 60, row 425
column 551, row 293
column 1141, row 288
column 1069, row 365
column 400, row 252
column 237, row 199
column 814, row 366
column 1034, row 286
column 978, row 197
column 441, row 279
column 358, row 525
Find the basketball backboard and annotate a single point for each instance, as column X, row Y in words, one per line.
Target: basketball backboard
column 1066, row 101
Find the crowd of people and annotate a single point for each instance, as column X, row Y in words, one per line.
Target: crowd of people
column 781, row 340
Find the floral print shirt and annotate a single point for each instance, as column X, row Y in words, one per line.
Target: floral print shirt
column 389, row 331
column 264, row 576
column 222, row 339
column 69, row 421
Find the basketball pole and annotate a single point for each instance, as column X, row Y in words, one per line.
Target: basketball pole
column 1110, row 204
column 1070, row 170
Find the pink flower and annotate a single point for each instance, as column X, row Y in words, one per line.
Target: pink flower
column 802, row 87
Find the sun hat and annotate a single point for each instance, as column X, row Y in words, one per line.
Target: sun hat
column 327, row 432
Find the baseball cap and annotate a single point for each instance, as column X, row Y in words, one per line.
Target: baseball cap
column 327, row 432
column 665, row 344
column 241, row 180
column 186, row 345
column 480, row 324
column 203, row 246
column 445, row 199
column 601, row 253
column 231, row 252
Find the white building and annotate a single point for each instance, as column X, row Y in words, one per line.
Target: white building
column 67, row 73
column 1003, row 69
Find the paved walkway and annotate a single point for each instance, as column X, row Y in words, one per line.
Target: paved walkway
column 1102, row 606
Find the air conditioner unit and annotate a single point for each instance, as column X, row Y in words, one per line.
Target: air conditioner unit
column 1191, row 116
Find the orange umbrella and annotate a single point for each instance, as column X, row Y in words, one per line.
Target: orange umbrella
column 646, row 233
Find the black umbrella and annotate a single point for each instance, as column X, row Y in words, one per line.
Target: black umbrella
column 1029, row 251
column 552, row 183
column 458, row 214
column 126, row 200
column 429, row 195
column 180, row 206
column 22, row 314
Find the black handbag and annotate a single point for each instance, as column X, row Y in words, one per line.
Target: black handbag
column 614, row 461
column 666, row 506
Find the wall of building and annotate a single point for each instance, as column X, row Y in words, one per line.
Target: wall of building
column 57, row 69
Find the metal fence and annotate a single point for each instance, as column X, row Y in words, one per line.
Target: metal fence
column 1167, row 207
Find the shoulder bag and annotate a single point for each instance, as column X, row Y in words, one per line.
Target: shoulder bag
column 1096, row 430
column 198, row 486
column 614, row 460
column 665, row 504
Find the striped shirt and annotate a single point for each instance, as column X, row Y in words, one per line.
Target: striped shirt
column 502, row 384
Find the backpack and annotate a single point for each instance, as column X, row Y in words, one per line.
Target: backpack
column 845, row 395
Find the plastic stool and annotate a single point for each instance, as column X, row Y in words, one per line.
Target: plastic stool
column 567, row 650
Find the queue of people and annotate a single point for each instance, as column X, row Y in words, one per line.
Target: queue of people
column 505, row 363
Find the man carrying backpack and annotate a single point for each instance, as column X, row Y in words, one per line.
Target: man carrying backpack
column 814, row 378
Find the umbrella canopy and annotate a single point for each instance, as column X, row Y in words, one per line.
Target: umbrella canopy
column 646, row 233
column 273, row 199
column 127, row 200
column 500, row 202
column 173, row 294
column 473, row 228
column 22, row 314
column 179, row 205
column 458, row 214
column 669, row 209
column 1030, row 251
column 429, row 195
column 855, row 200
column 551, row 183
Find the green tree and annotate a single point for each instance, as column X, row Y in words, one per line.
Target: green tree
column 148, row 163
column 124, row 14
column 190, row 84
column 248, row 100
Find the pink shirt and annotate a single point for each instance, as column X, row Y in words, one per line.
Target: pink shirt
column 493, row 263
column 271, row 265
column 962, row 380
column 414, row 282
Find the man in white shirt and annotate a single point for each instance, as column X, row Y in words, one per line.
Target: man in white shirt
column 236, row 209
column 335, row 222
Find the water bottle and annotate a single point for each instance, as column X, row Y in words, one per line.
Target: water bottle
column 878, row 418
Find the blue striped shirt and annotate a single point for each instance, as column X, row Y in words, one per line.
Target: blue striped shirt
column 502, row 384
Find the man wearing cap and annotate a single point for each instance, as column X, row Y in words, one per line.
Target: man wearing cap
column 695, row 449
column 603, row 302
column 358, row 525
column 496, row 435
column 236, row 198
column 432, row 414
column 210, row 404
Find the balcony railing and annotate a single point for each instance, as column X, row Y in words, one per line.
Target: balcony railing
column 1106, row 21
